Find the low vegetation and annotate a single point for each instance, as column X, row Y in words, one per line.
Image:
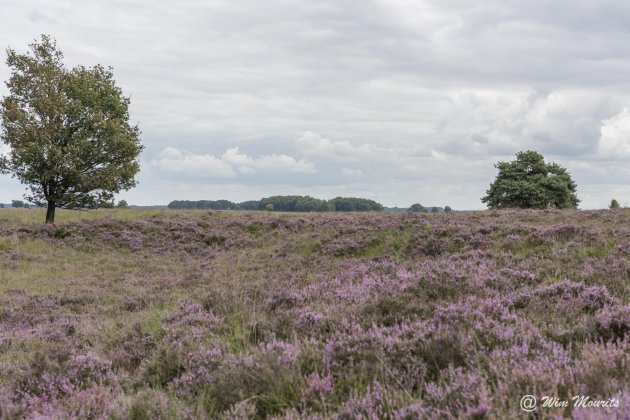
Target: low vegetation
column 165, row 314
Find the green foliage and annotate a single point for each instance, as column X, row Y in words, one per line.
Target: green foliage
column 355, row 204
column 614, row 204
column 155, row 403
column 287, row 203
column 308, row 204
column 529, row 182
column 202, row 205
column 17, row 204
column 434, row 210
column 447, row 209
column 294, row 203
column 166, row 365
column 107, row 205
column 269, row 207
column 417, row 208
column 68, row 131
column 248, row 205
column 122, row 204
column 597, row 250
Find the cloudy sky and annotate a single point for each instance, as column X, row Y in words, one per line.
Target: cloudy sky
column 401, row 101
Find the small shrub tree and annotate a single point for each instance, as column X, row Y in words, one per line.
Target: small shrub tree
column 17, row 204
column 416, row 208
column 530, row 182
column 614, row 204
column 122, row 204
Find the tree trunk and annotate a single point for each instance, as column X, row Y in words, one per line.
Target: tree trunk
column 50, row 213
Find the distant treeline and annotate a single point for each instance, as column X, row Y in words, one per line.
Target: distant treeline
column 17, row 204
column 296, row 203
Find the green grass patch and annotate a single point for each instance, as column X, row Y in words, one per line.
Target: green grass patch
column 600, row 250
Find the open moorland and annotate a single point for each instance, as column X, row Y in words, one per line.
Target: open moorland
column 175, row 314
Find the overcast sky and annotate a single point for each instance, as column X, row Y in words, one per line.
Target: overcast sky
column 401, row 101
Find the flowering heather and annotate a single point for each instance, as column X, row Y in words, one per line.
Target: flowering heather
column 289, row 316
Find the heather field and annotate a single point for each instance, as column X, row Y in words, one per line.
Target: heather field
column 175, row 314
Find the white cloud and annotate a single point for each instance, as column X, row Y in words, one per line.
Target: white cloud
column 314, row 145
column 243, row 162
column 173, row 160
column 231, row 163
column 614, row 142
column 271, row 162
column 495, row 123
column 234, row 157
column 286, row 163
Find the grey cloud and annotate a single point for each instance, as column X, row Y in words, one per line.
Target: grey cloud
column 404, row 98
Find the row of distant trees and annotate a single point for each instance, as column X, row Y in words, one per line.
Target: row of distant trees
column 17, row 204
column 419, row 208
column 288, row 203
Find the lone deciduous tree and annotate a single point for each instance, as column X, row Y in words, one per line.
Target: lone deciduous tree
column 68, row 131
column 530, row 182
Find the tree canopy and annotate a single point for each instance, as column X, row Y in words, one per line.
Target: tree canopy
column 203, row 205
column 288, row 203
column 417, row 208
column 355, row 204
column 530, row 182
column 68, row 131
